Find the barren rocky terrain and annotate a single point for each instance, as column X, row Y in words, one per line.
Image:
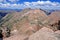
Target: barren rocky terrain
column 32, row 24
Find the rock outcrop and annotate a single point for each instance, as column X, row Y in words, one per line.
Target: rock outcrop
column 44, row 34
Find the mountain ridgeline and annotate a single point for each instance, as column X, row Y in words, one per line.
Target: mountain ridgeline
column 29, row 19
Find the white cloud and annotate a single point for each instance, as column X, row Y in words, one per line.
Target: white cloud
column 27, row 3
column 1, row 0
column 38, row 4
column 13, row 0
column 4, row 1
column 43, row 3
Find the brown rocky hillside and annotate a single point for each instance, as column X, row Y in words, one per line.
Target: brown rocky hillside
column 27, row 21
column 54, row 16
column 54, row 20
column 32, row 24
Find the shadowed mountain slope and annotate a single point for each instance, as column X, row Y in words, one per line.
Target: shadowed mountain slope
column 54, row 17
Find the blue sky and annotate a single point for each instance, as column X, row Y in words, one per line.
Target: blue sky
column 38, row 0
column 21, row 4
column 21, row 1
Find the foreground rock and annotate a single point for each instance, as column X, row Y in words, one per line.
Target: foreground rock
column 44, row 34
column 17, row 37
column 58, row 32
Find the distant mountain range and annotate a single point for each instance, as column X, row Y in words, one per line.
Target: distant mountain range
column 3, row 12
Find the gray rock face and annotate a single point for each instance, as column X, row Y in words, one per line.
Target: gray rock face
column 44, row 34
